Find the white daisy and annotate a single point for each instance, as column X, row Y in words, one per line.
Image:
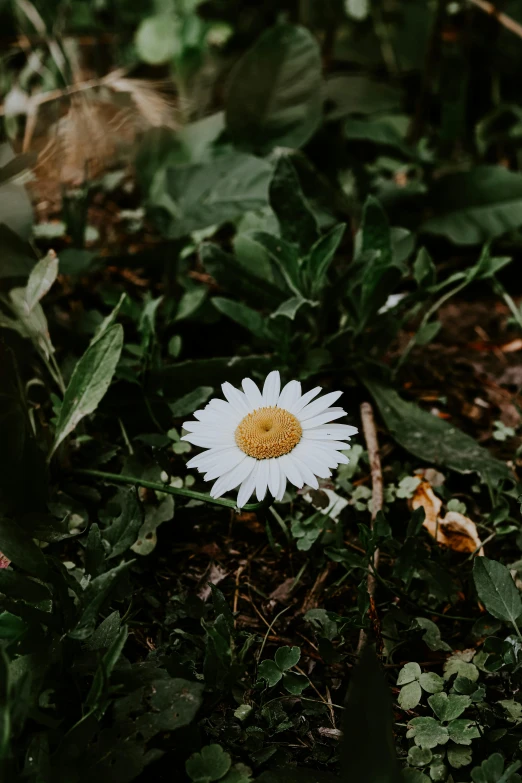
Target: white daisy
column 260, row 439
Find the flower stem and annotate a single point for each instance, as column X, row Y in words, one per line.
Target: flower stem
column 117, row 478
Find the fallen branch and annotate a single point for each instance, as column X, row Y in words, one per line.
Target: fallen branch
column 372, row 444
column 503, row 19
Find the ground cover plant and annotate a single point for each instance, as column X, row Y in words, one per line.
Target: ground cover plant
column 247, row 202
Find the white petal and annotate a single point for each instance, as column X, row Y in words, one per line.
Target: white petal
column 282, row 485
column 236, row 398
column 304, row 400
column 233, row 477
column 247, row 487
column 305, row 472
column 224, row 464
column 262, row 479
column 290, row 394
column 209, row 456
column 318, row 406
column 326, row 442
column 203, row 427
column 271, row 388
column 207, row 441
column 339, row 431
column 316, row 464
column 273, row 476
column 291, row 470
column 252, row 393
column 328, row 415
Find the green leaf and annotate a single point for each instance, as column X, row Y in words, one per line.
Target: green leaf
column 16, row 211
column 462, row 731
column 367, row 725
column 97, row 699
column 427, row 332
column 190, row 402
column 448, row 707
column 291, row 307
column 193, row 196
column 424, row 270
column 462, row 668
column 296, row 220
column 41, row 279
column 123, row 529
column 183, row 377
column 473, row 206
column 427, row 732
column 419, row 757
column 496, row 589
column 409, row 673
column 242, row 314
column 154, row 517
column 359, row 94
column 295, row 683
column 190, row 302
column 209, row 765
column 286, row 657
column 242, row 278
column 18, row 547
column 283, row 255
column 174, row 703
column 158, row 39
column 410, row 696
column 414, row 776
column 274, row 94
column 109, row 320
column 89, row 382
column 321, row 256
column 459, row 755
column 96, row 593
column 106, row 633
column 269, row 671
column 492, row 770
column 376, row 131
column 433, row 439
column 431, row 682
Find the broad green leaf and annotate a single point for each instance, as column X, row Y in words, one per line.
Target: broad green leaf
column 419, row 757
column 242, row 278
column 193, row 196
column 190, row 402
column 492, row 771
column 174, row 704
column 296, row 220
column 427, row 732
column 89, row 382
column 154, row 517
column 291, row 307
column 462, row 731
column 269, row 671
column 459, row 755
column 41, row 279
column 209, row 765
column 106, row 633
column 358, row 94
column 473, row 206
column 431, row 682
column 410, row 775
column 496, row 589
column 95, row 595
column 377, row 132
column 431, row 635
column 190, row 302
column 295, row 683
column 16, row 585
column 122, row 531
column 433, row 439
column 97, row 699
column 367, row 725
column 410, row 672
column 274, row 94
column 109, row 320
column 18, row 547
column 410, row 696
column 284, row 256
column 158, row 39
column 286, row 657
column 456, row 664
column 242, row 314
column 448, row 707
column 321, row 255
column 427, row 332
column 424, row 270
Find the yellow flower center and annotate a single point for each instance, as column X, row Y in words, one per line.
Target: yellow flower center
column 268, row 432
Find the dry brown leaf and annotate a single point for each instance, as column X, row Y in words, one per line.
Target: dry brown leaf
column 455, row 531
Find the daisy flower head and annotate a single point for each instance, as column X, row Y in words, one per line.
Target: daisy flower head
column 258, row 440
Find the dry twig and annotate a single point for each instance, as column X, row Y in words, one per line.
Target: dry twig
column 503, row 19
column 372, row 444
